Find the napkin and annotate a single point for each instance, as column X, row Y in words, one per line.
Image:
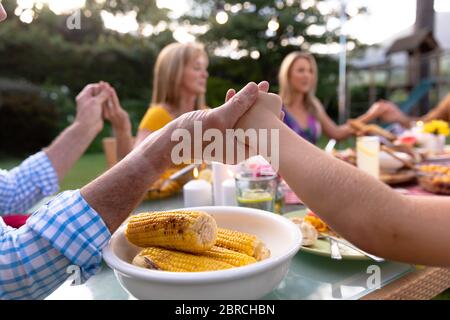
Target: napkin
column 16, row 220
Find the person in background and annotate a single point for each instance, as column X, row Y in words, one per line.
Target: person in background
column 74, row 227
column 304, row 113
column 389, row 112
column 39, row 175
column 179, row 86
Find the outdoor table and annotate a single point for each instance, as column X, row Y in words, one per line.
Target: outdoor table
column 309, row 276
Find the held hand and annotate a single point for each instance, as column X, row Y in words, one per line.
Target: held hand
column 221, row 118
column 89, row 107
column 266, row 103
column 113, row 111
column 386, row 111
column 392, row 113
column 272, row 104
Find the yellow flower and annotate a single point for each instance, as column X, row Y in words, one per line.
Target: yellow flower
column 437, row 127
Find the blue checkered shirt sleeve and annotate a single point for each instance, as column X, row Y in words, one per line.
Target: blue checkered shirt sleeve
column 34, row 259
column 25, row 185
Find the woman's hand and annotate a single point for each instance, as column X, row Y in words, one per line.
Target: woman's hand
column 113, row 111
column 89, row 107
column 387, row 112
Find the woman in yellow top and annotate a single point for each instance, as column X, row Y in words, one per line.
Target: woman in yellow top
column 179, row 86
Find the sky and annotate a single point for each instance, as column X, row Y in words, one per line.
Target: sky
column 386, row 17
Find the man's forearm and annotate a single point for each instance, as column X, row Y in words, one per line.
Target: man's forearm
column 116, row 193
column 69, row 146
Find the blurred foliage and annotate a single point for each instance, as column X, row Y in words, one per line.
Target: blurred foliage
column 59, row 62
column 359, row 97
column 247, row 31
column 28, row 118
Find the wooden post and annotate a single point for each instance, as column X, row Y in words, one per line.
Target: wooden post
column 372, row 86
column 388, row 77
column 424, row 15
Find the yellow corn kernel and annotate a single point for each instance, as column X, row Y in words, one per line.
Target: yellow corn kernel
column 167, row 260
column 189, row 231
column 234, row 258
column 242, row 242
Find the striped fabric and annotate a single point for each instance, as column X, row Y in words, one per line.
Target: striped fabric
column 35, row 258
column 27, row 184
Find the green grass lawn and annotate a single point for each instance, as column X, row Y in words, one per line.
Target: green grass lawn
column 86, row 169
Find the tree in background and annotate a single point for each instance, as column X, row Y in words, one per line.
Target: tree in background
column 249, row 46
column 254, row 36
column 45, row 53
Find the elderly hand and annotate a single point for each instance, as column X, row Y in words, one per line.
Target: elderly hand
column 221, row 118
column 89, row 107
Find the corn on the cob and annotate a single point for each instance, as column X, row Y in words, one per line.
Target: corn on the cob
column 167, row 260
column 242, row 242
column 234, row 258
column 190, row 231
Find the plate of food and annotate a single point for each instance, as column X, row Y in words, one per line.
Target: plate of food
column 402, row 176
column 203, row 253
column 443, row 156
column 312, row 228
column 435, row 178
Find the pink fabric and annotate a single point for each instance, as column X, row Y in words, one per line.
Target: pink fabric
column 16, row 221
column 291, row 198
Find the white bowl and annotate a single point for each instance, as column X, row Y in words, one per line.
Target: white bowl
column 389, row 164
column 281, row 236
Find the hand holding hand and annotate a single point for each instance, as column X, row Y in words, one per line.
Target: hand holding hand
column 113, row 111
column 221, row 118
column 386, row 111
column 89, row 107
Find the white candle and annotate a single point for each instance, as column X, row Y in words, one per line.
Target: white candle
column 197, row 193
column 220, row 173
column 229, row 193
column 368, row 155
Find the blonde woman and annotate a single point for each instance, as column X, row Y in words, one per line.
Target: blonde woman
column 179, row 86
column 304, row 113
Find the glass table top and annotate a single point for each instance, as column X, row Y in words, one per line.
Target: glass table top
column 309, row 276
